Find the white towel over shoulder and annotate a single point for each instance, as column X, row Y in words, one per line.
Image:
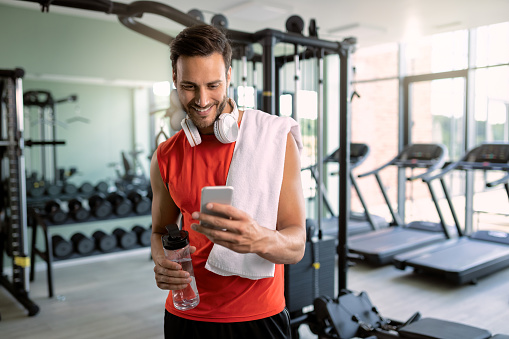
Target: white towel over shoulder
column 256, row 173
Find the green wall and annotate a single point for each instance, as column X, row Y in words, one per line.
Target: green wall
column 109, row 67
column 48, row 43
column 90, row 147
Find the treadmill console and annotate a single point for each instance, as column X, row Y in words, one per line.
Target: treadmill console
column 493, row 153
column 420, row 155
column 358, row 153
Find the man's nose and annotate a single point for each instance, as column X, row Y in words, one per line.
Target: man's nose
column 201, row 97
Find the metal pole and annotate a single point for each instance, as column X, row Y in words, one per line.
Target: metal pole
column 269, row 69
column 344, row 165
column 255, row 85
column 319, row 150
column 243, row 60
column 295, row 114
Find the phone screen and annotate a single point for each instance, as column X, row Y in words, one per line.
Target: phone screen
column 215, row 194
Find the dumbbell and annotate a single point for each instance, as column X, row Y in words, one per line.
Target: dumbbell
column 141, row 204
column 82, row 244
column 86, row 188
column 35, row 188
column 102, row 187
column 104, row 242
column 143, row 234
column 54, row 212
column 125, row 239
column 121, row 205
column 62, row 248
column 69, row 189
column 149, row 192
column 99, row 206
column 53, row 190
column 76, row 209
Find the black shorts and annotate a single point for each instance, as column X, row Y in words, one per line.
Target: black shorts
column 277, row 326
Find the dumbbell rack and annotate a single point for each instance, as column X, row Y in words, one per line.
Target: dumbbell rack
column 14, row 226
column 38, row 219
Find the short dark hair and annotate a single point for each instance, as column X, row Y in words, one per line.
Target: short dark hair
column 200, row 40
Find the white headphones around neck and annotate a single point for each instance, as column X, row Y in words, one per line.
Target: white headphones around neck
column 175, row 112
column 226, row 127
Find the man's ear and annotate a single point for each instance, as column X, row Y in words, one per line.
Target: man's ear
column 174, row 77
column 228, row 77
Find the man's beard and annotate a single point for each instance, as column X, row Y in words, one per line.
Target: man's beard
column 200, row 123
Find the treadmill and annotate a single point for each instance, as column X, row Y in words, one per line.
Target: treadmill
column 380, row 246
column 504, row 180
column 467, row 258
column 359, row 222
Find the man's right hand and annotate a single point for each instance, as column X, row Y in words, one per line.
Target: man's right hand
column 169, row 274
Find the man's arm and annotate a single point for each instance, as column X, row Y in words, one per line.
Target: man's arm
column 286, row 244
column 168, row 274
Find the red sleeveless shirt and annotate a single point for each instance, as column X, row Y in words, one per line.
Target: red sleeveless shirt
column 186, row 170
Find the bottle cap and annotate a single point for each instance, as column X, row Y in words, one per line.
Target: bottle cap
column 175, row 239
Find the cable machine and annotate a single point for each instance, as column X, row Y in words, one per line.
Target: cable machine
column 13, row 208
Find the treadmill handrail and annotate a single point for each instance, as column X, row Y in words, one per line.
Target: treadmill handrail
column 428, row 172
column 464, row 164
column 446, row 170
column 398, row 162
column 376, row 170
column 497, row 182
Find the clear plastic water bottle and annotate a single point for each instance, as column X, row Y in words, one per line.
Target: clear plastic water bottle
column 176, row 248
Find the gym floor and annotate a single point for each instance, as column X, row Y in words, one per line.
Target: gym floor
column 116, row 297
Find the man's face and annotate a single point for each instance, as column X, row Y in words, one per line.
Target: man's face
column 202, row 84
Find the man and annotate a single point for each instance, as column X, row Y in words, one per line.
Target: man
column 231, row 305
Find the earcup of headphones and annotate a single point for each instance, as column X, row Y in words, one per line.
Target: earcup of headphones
column 175, row 112
column 191, row 131
column 226, row 129
column 176, row 119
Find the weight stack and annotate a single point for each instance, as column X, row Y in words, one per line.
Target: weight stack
column 82, row 244
column 304, row 283
column 62, row 248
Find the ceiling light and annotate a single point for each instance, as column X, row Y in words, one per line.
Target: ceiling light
column 254, row 11
column 357, row 30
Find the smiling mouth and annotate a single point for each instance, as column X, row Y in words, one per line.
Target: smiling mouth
column 202, row 111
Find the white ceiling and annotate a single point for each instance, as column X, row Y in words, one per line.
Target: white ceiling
column 370, row 21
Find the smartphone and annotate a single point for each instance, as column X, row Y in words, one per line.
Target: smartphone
column 215, row 194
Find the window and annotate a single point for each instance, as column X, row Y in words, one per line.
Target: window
column 492, row 45
column 437, row 53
